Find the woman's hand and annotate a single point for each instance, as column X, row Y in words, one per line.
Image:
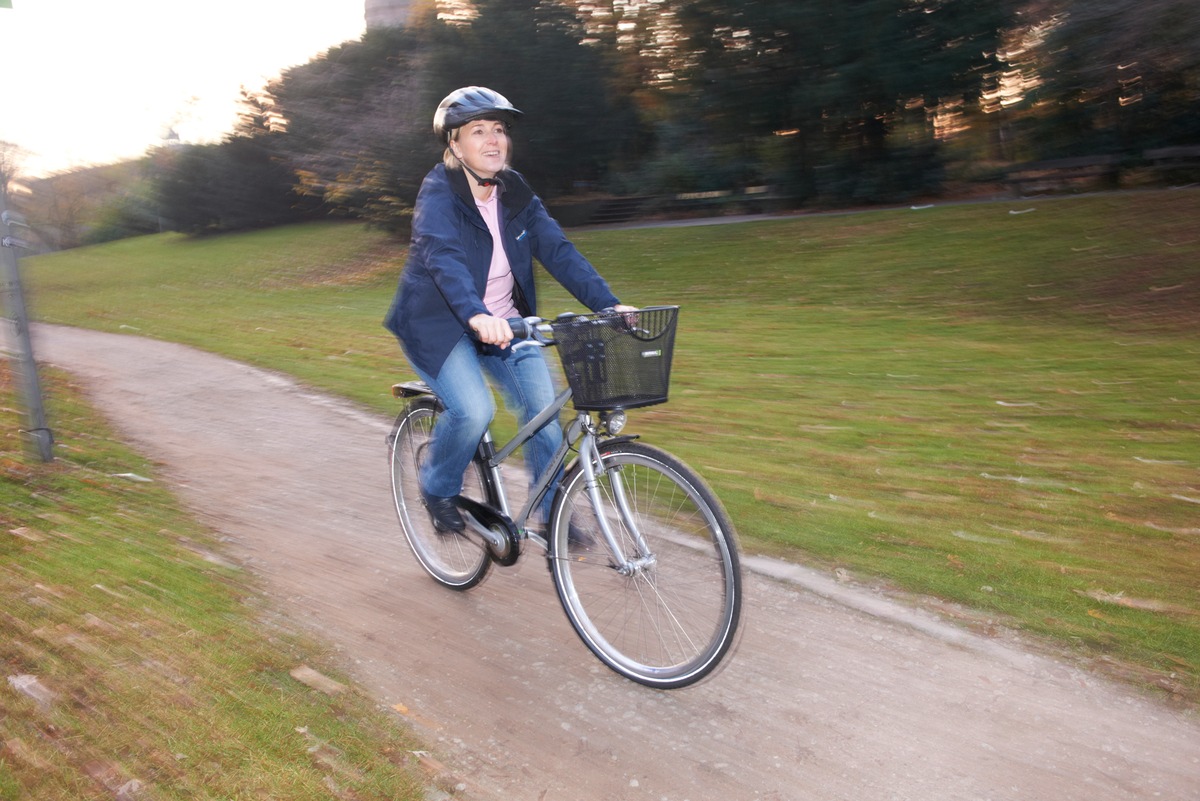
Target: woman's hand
column 630, row 313
column 491, row 330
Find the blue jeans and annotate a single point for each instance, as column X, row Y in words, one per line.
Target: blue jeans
column 523, row 378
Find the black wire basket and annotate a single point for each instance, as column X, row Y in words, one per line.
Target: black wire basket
column 618, row 360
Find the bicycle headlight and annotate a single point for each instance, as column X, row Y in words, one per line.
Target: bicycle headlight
column 614, row 421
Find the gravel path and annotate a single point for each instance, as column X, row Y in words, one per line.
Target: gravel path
column 835, row 692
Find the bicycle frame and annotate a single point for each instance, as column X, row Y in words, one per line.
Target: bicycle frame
column 582, row 430
column 492, row 459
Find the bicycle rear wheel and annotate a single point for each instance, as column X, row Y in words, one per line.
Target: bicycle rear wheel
column 670, row 614
column 451, row 559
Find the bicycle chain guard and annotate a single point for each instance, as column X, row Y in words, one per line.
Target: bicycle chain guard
column 499, row 533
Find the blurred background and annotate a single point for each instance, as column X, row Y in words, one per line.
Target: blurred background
column 650, row 108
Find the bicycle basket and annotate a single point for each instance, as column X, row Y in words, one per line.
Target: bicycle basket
column 618, row 360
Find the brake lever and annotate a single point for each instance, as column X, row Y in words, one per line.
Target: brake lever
column 526, row 330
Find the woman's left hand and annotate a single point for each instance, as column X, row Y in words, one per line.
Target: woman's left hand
column 630, row 313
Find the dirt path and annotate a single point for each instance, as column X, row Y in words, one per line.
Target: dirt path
column 834, row 693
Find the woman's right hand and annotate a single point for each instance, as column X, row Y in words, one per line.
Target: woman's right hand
column 491, row 330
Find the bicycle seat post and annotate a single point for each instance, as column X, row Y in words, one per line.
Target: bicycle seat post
column 487, row 457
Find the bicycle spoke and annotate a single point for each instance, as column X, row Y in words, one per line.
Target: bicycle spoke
column 667, row 615
column 450, row 559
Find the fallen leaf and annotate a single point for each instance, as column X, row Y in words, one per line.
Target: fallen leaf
column 26, row 534
column 133, row 477
column 306, row 675
column 32, row 687
column 1144, row 604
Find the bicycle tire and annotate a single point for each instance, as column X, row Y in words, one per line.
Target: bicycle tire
column 671, row 624
column 452, row 560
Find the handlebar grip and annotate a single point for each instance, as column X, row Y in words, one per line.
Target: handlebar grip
column 520, row 328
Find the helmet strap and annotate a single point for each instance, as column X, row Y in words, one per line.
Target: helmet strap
column 493, row 181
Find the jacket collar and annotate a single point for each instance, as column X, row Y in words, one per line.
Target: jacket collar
column 514, row 197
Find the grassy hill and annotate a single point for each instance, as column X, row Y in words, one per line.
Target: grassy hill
column 996, row 405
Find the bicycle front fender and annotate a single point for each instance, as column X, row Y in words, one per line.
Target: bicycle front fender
column 603, row 445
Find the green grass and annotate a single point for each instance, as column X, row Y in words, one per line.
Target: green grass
column 993, row 404
column 165, row 673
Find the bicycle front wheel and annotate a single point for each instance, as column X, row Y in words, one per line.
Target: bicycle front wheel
column 665, row 610
column 451, row 559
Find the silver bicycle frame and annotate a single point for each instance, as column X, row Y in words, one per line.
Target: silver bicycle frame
column 582, row 430
column 539, row 489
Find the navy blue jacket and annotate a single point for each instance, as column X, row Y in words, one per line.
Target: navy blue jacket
column 443, row 282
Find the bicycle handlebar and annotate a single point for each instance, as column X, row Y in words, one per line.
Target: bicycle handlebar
column 531, row 330
column 536, row 330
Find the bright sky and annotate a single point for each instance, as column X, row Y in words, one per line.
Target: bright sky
column 95, row 81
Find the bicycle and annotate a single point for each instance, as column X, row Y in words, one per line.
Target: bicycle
column 643, row 555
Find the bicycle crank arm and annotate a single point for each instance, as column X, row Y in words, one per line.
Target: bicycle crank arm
column 498, row 533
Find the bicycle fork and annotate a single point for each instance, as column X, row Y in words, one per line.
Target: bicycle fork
column 643, row 560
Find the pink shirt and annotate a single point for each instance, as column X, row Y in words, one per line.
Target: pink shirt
column 499, row 295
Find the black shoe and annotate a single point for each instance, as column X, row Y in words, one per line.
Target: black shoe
column 444, row 513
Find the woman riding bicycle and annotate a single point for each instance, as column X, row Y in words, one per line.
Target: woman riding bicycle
column 458, row 289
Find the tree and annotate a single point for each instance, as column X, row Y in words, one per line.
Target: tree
column 849, row 83
column 133, row 211
column 359, row 119
column 244, row 182
column 358, row 127
column 534, row 54
column 1120, row 75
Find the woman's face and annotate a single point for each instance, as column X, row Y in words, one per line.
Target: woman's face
column 483, row 146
